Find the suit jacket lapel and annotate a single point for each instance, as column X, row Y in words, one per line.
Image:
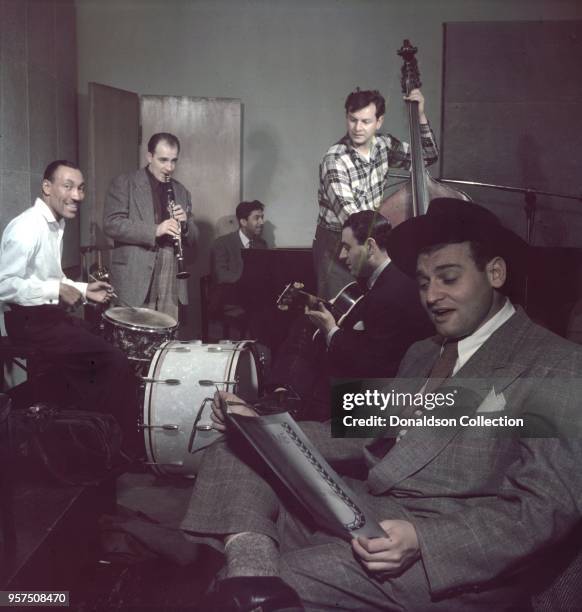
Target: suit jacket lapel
column 143, row 197
column 489, row 366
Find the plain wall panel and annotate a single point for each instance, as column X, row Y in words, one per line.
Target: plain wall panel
column 38, row 102
column 291, row 63
column 511, row 116
column 13, row 26
column 40, row 35
column 113, row 138
column 67, row 125
column 15, row 193
column 15, row 119
column 66, row 43
column 42, row 112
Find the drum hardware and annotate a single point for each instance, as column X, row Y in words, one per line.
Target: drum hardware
column 105, row 277
column 163, row 381
column 138, row 331
column 223, row 349
column 166, row 427
column 179, row 349
column 169, row 464
column 198, row 426
column 178, row 451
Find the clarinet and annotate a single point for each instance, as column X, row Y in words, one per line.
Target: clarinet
column 178, row 251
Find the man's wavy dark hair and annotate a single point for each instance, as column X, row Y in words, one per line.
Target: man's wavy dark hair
column 361, row 98
column 369, row 224
column 245, row 209
column 49, row 171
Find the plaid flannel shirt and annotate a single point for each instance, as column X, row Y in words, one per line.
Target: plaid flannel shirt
column 349, row 183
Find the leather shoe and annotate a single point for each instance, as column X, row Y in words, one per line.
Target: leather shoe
column 252, row 593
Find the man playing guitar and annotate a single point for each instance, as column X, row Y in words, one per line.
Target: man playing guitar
column 372, row 337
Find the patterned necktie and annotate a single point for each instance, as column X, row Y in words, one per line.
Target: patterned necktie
column 441, row 370
column 252, row 244
column 443, row 367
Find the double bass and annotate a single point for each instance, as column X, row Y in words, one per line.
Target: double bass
column 413, row 198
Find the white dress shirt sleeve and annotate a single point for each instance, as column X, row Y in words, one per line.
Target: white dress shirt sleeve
column 16, row 285
column 81, row 287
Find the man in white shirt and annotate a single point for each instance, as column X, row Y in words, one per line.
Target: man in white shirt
column 36, row 296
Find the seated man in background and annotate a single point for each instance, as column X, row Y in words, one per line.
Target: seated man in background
column 227, row 263
column 468, row 509
column 372, row 337
column 233, row 287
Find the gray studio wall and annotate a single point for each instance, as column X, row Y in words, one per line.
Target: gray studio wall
column 38, row 102
column 291, row 62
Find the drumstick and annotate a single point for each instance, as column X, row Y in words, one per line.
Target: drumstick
column 113, row 294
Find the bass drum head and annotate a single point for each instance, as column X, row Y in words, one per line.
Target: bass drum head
column 176, row 417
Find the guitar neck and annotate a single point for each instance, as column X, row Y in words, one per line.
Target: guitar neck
column 317, row 299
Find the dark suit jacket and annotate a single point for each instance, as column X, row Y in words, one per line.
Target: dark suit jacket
column 129, row 220
column 392, row 319
column 226, row 258
column 484, row 504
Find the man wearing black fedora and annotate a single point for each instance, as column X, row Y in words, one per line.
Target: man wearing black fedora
column 469, row 508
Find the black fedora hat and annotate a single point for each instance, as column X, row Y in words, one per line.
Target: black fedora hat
column 450, row 221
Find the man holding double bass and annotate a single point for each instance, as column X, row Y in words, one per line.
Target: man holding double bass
column 353, row 176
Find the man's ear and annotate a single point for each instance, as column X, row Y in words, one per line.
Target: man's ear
column 371, row 246
column 379, row 122
column 46, row 187
column 496, row 270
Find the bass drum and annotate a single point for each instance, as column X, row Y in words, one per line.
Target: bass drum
column 177, row 407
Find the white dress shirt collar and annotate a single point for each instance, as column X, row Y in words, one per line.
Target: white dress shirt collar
column 471, row 344
column 376, row 273
column 244, row 239
column 47, row 213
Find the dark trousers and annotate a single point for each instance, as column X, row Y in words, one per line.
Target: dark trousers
column 86, row 371
column 301, row 363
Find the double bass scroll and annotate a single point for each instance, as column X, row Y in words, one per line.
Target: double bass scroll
column 414, row 197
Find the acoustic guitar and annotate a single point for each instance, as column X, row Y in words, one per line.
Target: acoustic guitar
column 294, row 297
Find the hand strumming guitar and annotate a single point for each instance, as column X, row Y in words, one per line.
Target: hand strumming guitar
column 321, row 317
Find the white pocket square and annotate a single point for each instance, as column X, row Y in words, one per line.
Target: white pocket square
column 359, row 326
column 492, row 403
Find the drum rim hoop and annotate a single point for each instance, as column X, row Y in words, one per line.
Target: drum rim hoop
column 135, row 327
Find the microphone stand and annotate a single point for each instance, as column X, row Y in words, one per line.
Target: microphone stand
column 530, row 204
column 530, row 199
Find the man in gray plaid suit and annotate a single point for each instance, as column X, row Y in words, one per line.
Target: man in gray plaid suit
column 468, row 510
